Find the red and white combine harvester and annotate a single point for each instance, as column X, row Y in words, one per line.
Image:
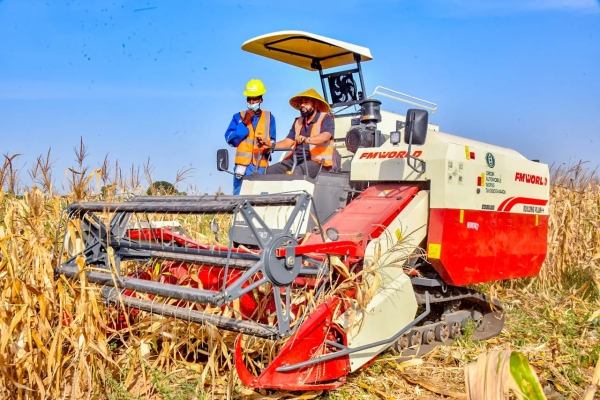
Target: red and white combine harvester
column 336, row 270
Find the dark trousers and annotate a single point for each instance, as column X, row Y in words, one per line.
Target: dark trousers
column 310, row 167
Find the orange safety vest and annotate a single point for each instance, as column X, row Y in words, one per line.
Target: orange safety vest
column 247, row 151
column 321, row 153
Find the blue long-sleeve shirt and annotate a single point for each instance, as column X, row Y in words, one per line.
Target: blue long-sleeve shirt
column 237, row 130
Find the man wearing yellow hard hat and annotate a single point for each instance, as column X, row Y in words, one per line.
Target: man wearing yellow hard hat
column 251, row 131
column 311, row 137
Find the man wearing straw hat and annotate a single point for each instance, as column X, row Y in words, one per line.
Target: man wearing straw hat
column 311, row 137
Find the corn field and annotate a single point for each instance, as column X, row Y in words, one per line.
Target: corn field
column 44, row 356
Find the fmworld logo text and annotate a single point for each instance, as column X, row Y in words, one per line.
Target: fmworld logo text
column 388, row 154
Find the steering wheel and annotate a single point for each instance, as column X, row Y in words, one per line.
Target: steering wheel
column 285, row 149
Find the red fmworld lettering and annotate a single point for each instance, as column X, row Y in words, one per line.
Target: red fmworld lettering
column 386, row 154
column 529, row 178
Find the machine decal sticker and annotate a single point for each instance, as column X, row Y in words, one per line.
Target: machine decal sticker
column 501, row 206
column 455, row 173
column 488, row 207
column 528, row 178
column 490, row 160
column 497, row 191
column 473, row 225
column 481, row 179
column 398, row 235
column 533, row 209
column 493, row 183
column 388, row 154
column 508, row 204
column 470, row 155
column 435, row 250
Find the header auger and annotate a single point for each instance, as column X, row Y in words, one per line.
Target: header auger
column 336, row 270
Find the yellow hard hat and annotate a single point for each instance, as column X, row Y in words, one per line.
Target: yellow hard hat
column 254, row 88
column 320, row 104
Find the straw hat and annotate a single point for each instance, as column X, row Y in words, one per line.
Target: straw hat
column 320, row 105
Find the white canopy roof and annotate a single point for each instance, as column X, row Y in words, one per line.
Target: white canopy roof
column 301, row 48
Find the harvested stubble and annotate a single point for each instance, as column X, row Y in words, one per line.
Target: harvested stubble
column 553, row 319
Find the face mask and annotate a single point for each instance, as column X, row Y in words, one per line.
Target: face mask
column 254, row 106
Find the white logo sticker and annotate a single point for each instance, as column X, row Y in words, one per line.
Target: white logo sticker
column 473, row 225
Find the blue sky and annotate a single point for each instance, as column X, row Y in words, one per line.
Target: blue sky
column 160, row 80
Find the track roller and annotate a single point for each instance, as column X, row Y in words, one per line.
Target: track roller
column 442, row 332
column 415, row 338
column 428, row 336
column 454, row 330
column 402, row 343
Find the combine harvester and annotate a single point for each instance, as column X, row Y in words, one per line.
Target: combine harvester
column 336, row 270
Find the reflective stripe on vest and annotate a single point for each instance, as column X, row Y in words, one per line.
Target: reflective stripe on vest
column 247, row 151
column 321, row 153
